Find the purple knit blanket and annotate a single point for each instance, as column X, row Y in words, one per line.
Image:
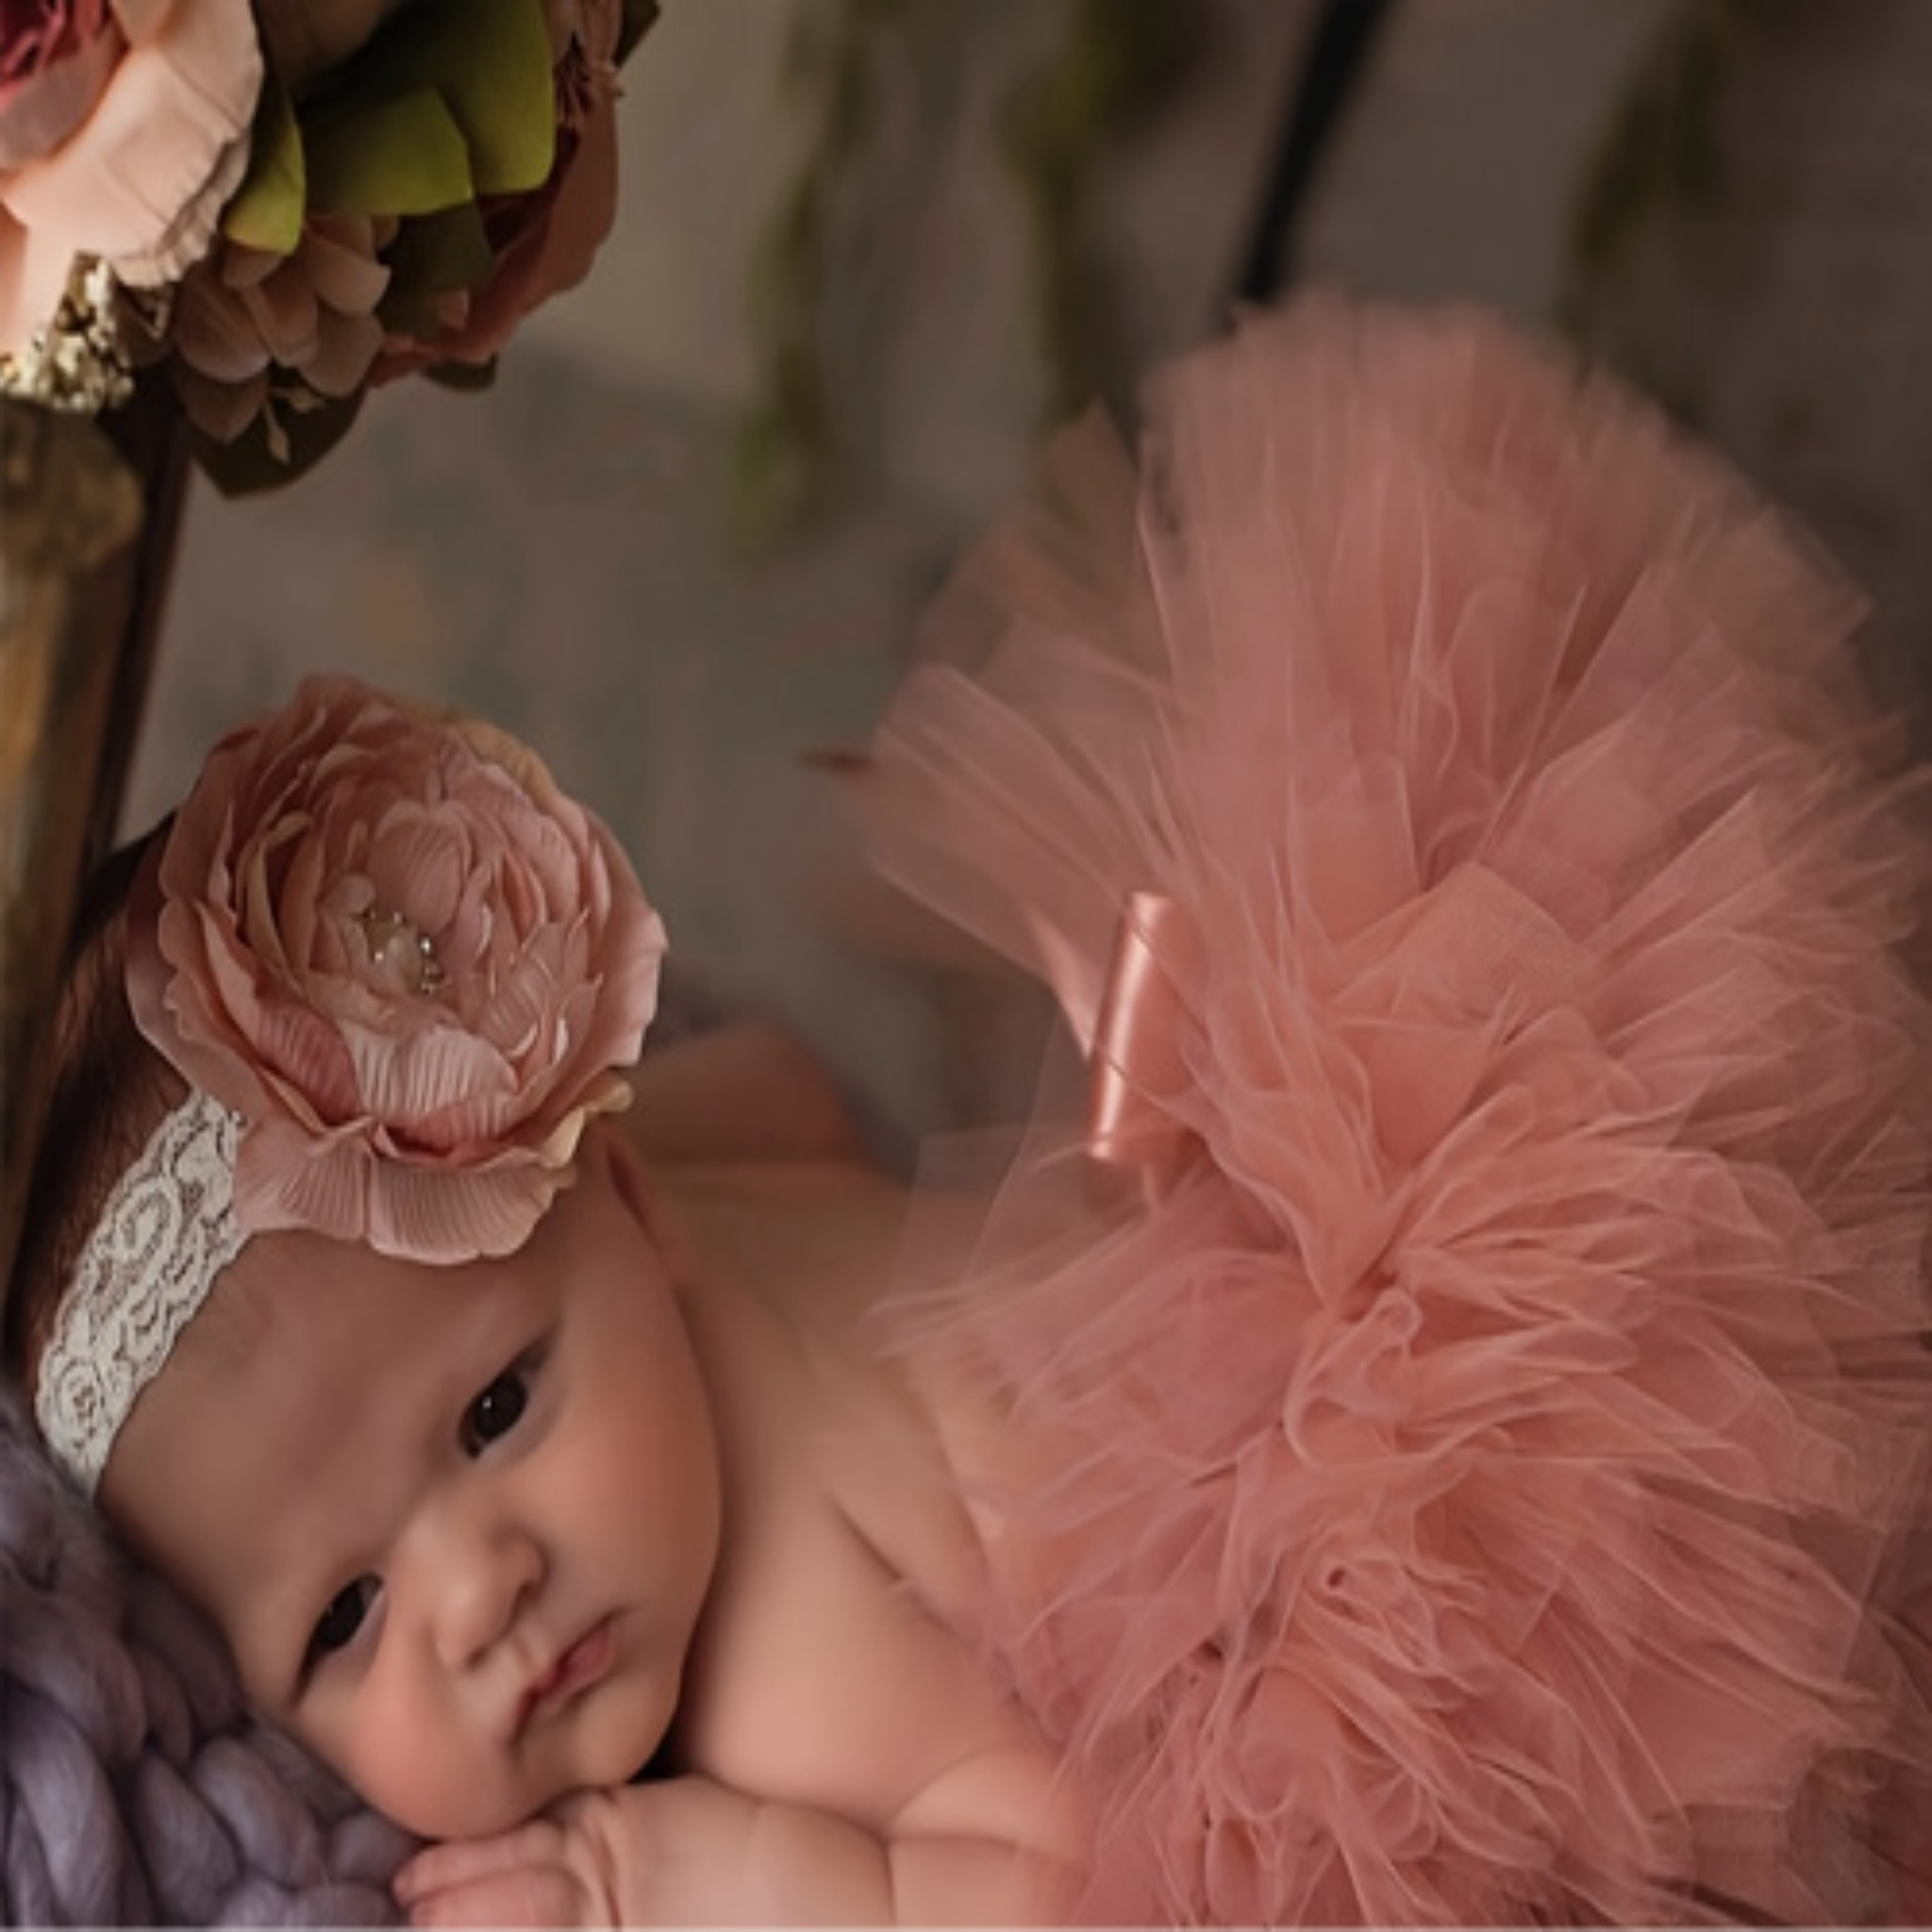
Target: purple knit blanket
column 136, row 1787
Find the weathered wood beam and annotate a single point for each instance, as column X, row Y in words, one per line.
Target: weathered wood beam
column 88, row 522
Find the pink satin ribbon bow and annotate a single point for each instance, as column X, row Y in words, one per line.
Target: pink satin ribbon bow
column 1136, row 1067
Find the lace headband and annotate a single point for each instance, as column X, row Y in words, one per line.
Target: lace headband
column 168, row 1229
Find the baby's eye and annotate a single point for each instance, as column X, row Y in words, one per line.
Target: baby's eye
column 336, row 1628
column 497, row 1410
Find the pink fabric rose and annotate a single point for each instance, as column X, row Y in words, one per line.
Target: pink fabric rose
column 545, row 240
column 123, row 129
column 407, row 959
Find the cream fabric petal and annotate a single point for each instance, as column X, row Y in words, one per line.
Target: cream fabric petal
column 345, row 347
column 436, row 1083
column 309, row 930
column 143, row 184
column 215, row 335
column 285, row 1179
column 36, row 114
column 240, row 267
column 417, row 863
column 220, row 410
column 191, row 232
column 608, row 1093
column 514, row 1019
column 450, row 1216
column 294, row 1045
column 631, row 957
column 283, row 307
column 344, row 271
column 199, row 1038
column 34, row 267
column 553, row 858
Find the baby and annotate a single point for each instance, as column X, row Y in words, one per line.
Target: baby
column 1436, row 1426
column 510, row 1452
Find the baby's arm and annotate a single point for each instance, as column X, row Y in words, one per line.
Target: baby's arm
column 690, row 1851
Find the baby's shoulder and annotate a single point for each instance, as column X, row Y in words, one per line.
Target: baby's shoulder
column 750, row 1091
column 850, row 1550
column 814, row 1240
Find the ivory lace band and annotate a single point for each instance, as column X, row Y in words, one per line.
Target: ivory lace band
column 167, row 1230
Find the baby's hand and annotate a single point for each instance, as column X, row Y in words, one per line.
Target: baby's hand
column 541, row 1873
column 582, row 1867
column 687, row 1851
column 661, row 1854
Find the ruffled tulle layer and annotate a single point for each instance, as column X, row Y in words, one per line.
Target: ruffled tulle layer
column 1480, row 1436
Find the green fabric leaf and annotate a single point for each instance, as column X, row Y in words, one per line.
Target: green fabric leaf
column 248, row 466
column 464, row 378
column 268, row 207
column 427, row 258
column 490, row 61
column 401, row 156
column 441, row 251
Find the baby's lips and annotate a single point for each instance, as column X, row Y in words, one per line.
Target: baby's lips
column 573, row 1670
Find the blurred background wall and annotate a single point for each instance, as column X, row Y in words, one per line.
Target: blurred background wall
column 869, row 250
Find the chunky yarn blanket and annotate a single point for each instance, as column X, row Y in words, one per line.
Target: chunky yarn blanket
column 135, row 1788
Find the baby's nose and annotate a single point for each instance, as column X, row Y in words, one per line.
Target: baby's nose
column 483, row 1569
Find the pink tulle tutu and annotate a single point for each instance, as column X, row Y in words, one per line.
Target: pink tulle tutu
column 1474, row 1363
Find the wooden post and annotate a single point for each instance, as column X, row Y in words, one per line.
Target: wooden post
column 88, row 524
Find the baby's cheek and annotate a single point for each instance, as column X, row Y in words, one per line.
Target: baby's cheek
column 419, row 1774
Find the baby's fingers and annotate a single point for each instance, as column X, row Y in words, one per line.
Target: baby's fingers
column 456, row 1860
column 519, row 1878
column 536, row 1896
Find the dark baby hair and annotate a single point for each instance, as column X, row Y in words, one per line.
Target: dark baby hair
column 109, row 1091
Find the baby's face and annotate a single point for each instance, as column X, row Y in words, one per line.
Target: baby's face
column 456, row 1524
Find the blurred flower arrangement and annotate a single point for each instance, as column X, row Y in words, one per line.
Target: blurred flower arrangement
column 1103, row 69
column 277, row 205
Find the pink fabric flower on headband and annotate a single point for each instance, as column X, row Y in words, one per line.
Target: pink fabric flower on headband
column 406, row 959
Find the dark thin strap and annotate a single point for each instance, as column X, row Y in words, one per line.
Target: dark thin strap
column 1336, row 60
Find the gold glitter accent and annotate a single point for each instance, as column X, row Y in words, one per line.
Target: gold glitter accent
column 80, row 362
column 393, row 940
